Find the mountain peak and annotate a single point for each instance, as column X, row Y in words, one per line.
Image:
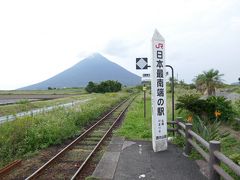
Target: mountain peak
column 95, row 59
column 94, row 68
column 96, row 55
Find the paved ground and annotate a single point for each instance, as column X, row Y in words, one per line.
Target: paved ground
column 128, row 160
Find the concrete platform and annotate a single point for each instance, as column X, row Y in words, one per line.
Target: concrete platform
column 130, row 160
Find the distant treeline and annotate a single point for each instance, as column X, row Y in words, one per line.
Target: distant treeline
column 104, row 86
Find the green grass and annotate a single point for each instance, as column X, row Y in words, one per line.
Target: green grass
column 54, row 91
column 230, row 146
column 25, row 105
column 27, row 135
column 135, row 126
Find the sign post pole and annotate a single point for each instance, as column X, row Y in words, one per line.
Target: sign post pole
column 158, row 88
column 172, row 91
column 144, row 99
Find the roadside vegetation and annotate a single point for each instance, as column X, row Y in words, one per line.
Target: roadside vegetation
column 24, row 136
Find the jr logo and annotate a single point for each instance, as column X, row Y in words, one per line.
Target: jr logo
column 159, row 45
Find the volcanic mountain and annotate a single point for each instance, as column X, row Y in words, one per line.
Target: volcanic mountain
column 94, row 68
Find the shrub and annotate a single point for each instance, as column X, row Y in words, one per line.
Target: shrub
column 208, row 131
column 192, row 104
column 219, row 104
column 213, row 108
column 103, row 87
column 91, row 87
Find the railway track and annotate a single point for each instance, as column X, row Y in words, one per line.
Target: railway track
column 70, row 161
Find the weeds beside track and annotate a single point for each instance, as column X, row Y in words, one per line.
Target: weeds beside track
column 69, row 162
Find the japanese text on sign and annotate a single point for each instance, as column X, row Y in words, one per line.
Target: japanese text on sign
column 158, row 84
column 160, row 88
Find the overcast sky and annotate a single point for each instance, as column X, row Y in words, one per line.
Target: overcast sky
column 39, row 39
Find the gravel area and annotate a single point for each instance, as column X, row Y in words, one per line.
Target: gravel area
column 232, row 96
column 229, row 95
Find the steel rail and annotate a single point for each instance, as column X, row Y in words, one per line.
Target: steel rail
column 9, row 167
column 100, row 142
column 39, row 171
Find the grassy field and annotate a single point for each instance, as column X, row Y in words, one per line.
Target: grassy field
column 25, row 105
column 53, row 91
column 24, row 136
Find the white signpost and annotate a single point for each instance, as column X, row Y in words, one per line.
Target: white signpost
column 146, row 77
column 158, row 85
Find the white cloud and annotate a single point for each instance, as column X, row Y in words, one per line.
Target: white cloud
column 39, row 39
column 235, row 23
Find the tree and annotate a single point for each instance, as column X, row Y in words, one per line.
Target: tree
column 104, row 86
column 91, row 87
column 208, row 81
column 199, row 82
column 239, row 80
column 109, row 86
